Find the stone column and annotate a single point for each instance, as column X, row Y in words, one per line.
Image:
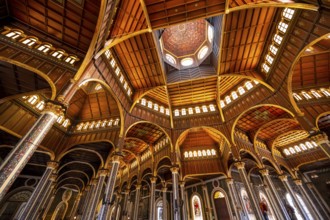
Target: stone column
column 310, row 204
column 152, row 198
column 207, row 202
column 117, row 201
column 184, row 203
column 47, row 197
column 34, row 201
column 87, row 204
column 321, row 139
column 278, row 204
column 244, row 178
column 95, row 196
column 176, row 197
column 296, row 202
column 50, row 202
column 24, row 149
column 88, row 190
column 137, row 202
column 108, row 194
column 75, row 207
column 164, row 189
column 234, row 199
column 317, row 197
column 124, row 210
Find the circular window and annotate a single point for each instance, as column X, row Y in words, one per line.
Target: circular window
column 187, row 62
column 170, row 58
column 202, row 52
column 210, row 33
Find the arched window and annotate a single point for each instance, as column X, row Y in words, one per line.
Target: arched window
column 292, row 151
column 204, row 153
column 116, row 122
column 183, row 111
column 44, row 48
column 33, row 99
column 296, row 96
column 86, row 126
column 29, row 41
column 40, row 105
column 222, row 104
column 66, row 123
column 161, row 109
column 199, row 153
column 316, row 94
column 241, row 90
column 110, row 122
column 234, row 95
column 202, row 52
column 14, row 34
column 58, row 54
column 204, row 108
column 309, row 145
column 190, row 154
column 197, row 109
column 213, row 152
column 208, row 152
column 306, row 95
column 156, row 107
column 186, row 155
column 79, row 127
column 228, row 99
column 286, row 152
column 143, row 102
column 149, row 104
column 190, row 111
column 302, row 146
column 71, row 59
column 325, row 92
column 159, row 210
column 248, row 85
column 195, row 153
column 196, row 206
column 60, row 119
column 212, row 108
column 297, row 148
column 176, row 112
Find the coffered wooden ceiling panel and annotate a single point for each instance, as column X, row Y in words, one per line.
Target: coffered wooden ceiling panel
column 244, row 38
column 159, row 95
column 255, row 118
column 192, row 92
column 191, row 73
column 92, row 106
column 312, row 71
column 138, row 56
column 290, row 137
column 147, row 132
column 16, row 80
column 275, row 128
column 168, row 12
column 229, row 83
column 129, row 18
column 235, row 3
column 135, row 145
column 198, row 139
column 69, row 22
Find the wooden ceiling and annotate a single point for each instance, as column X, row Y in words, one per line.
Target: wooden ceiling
column 70, row 22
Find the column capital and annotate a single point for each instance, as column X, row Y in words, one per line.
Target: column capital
column 138, row 186
column 320, row 137
column 126, row 192
column 230, row 180
column 298, row 182
column 283, row 178
column 55, row 108
column 264, row 172
column 240, row 165
column 52, row 165
column 153, row 179
column 116, row 157
column 53, row 177
column 103, row 172
column 174, row 169
column 181, row 183
column 94, row 181
column 164, row 189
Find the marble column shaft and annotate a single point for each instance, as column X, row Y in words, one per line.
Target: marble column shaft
column 250, row 192
column 109, row 189
column 137, row 202
column 95, row 196
column 34, row 201
column 233, row 198
column 176, row 197
column 296, row 202
column 279, row 206
column 164, row 189
column 207, row 202
column 152, row 198
column 125, row 207
column 184, row 204
column 25, row 148
column 312, row 208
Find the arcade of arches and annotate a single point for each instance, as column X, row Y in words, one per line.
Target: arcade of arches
column 164, row 109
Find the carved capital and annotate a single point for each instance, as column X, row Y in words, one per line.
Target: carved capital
column 54, row 108
column 117, row 157
column 94, row 181
column 320, row 138
column 153, row 179
column 164, row 189
column 52, row 165
column 103, row 172
column 240, row 165
column 53, row 177
column 230, row 181
column 283, row 178
column 181, row 183
column 174, row 169
column 297, row 182
column 264, row 172
column 138, row 186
